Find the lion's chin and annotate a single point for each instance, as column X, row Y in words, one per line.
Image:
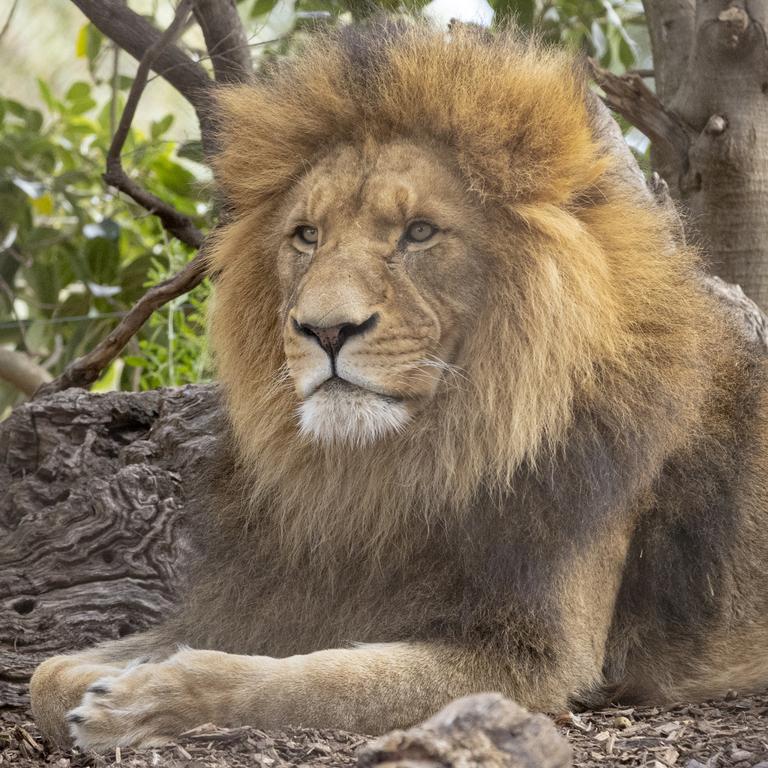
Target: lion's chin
column 339, row 412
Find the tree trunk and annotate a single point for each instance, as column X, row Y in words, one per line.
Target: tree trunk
column 711, row 71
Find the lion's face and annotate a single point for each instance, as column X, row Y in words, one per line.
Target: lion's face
column 380, row 285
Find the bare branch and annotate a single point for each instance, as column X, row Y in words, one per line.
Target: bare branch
column 671, row 26
column 87, row 369
column 225, row 40
column 174, row 221
column 8, row 19
column 22, row 371
column 632, row 99
column 136, row 35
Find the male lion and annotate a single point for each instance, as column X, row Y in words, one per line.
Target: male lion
column 489, row 431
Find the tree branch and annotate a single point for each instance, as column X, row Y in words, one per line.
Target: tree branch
column 632, row 99
column 21, row 371
column 174, row 221
column 225, row 40
column 136, row 35
column 85, row 370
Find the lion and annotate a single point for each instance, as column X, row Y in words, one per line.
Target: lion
column 487, row 429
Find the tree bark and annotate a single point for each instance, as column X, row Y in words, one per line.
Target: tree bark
column 711, row 68
column 225, row 40
column 96, row 504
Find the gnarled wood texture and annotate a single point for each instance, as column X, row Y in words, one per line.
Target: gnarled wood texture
column 94, row 516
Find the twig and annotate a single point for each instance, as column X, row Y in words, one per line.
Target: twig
column 87, row 369
column 225, row 40
column 134, row 34
column 8, row 19
column 641, row 72
column 632, row 99
column 21, row 371
column 173, row 220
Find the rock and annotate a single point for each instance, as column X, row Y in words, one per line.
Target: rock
column 485, row 729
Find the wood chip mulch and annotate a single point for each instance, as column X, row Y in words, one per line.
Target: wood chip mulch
column 732, row 733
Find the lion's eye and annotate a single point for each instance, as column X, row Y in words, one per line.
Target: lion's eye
column 420, row 231
column 307, row 234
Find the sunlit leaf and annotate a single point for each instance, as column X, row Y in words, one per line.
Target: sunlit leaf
column 110, row 379
column 158, row 127
column 81, row 42
column 43, row 204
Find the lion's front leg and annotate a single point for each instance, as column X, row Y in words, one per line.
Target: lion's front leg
column 369, row 689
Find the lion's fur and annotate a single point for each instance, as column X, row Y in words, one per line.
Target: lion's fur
column 567, row 318
column 578, row 512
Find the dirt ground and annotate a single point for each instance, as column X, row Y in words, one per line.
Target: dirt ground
column 732, row 733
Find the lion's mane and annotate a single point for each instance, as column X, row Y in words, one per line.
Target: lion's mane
column 593, row 323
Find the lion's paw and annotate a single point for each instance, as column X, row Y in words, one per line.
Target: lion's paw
column 144, row 705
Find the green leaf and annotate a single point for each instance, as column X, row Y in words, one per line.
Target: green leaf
column 32, row 118
column 158, row 127
column 522, row 12
column 626, row 53
column 47, row 95
column 110, row 379
column 174, row 177
column 93, row 43
column 192, row 150
column 77, row 91
column 262, row 7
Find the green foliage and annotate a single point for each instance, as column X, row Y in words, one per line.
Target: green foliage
column 74, row 256
column 603, row 29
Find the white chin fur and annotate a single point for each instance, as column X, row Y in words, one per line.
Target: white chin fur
column 357, row 416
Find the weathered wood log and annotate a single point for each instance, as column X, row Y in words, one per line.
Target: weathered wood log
column 486, row 730
column 94, row 514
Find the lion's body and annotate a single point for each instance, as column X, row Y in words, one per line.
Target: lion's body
column 549, row 477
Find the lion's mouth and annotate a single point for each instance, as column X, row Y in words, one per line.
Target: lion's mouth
column 340, row 411
column 336, row 385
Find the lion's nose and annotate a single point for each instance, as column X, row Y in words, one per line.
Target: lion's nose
column 332, row 338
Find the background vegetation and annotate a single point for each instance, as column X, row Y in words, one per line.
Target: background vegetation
column 75, row 255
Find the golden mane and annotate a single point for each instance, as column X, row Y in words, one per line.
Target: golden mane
column 590, row 323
